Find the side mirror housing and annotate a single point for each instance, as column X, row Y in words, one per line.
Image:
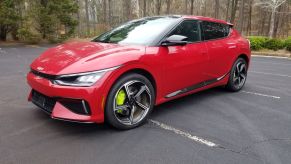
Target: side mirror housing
column 175, row 40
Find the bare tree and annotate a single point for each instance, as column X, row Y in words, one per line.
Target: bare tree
column 249, row 27
column 233, row 10
column 272, row 6
column 168, row 6
column 87, row 17
column 192, row 7
column 227, row 10
column 144, row 8
column 216, row 11
column 241, row 16
column 158, row 6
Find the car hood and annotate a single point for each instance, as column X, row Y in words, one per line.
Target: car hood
column 78, row 57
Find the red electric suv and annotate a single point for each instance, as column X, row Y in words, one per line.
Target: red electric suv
column 122, row 74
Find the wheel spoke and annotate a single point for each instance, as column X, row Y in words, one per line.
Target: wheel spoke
column 243, row 76
column 126, row 87
column 141, row 90
column 131, row 114
column 239, row 80
column 237, row 68
column 143, row 107
column 242, row 67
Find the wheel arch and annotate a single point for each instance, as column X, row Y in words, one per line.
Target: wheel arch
column 244, row 56
column 143, row 72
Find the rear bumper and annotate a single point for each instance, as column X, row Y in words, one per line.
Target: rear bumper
column 90, row 95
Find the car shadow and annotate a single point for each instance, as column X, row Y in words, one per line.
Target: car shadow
column 186, row 101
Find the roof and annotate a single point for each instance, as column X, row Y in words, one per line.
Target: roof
column 206, row 19
column 195, row 17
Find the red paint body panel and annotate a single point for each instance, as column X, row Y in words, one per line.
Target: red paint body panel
column 173, row 68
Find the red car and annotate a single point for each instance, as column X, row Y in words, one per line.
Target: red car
column 122, row 74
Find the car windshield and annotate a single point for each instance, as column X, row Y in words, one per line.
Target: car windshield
column 138, row 32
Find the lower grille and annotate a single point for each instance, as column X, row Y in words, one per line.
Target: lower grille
column 44, row 102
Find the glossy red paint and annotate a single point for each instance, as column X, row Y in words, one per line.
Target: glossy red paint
column 172, row 68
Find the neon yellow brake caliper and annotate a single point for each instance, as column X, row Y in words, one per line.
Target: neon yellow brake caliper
column 121, row 96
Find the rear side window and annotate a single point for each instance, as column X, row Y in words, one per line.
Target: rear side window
column 213, row 30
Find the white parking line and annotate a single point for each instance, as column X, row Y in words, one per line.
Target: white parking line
column 274, row 74
column 184, row 134
column 276, row 63
column 260, row 94
column 264, row 56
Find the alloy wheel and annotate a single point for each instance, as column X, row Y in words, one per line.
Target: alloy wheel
column 240, row 74
column 132, row 102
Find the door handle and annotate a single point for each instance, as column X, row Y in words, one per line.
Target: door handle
column 231, row 45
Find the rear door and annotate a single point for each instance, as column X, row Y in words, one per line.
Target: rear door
column 185, row 65
column 216, row 38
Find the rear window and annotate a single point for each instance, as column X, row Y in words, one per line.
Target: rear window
column 212, row 30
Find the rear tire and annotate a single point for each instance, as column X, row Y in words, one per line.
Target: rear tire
column 129, row 102
column 238, row 75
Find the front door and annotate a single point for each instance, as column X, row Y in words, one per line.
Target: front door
column 185, row 65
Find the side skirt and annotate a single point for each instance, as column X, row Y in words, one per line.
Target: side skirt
column 195, row 86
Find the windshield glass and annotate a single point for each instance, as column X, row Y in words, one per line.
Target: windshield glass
column 138, row 32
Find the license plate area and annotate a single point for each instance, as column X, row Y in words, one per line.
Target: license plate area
column 44, row 102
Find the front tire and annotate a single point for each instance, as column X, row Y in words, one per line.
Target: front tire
column 238, row 75
column 130, row 101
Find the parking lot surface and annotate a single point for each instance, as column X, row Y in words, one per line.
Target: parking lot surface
column 213, row 126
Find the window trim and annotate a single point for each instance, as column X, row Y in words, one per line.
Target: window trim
column 178, row 24
column 203, row 38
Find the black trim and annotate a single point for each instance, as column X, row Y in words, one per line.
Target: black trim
column 43, row 75
column 73, row 121
column 42, row 101
column 195, row 86
column 47, row 104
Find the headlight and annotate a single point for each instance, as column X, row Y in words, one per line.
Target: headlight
column 82, row 79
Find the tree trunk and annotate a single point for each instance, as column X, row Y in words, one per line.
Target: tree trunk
column 79, row 20
column 192, row 7
column 3, row 33
column 127, row 9
column 263, row 21
column 233, row 10
column 104, row 11
column 87, row 18
column 186, row 7
column 277, row 21
column 216, row 11
column 168, row 6
column 241, row 16
column 272, row 21
column 144, row 8
column 158, row 6
column 249, row 28
column 109, row 12
column 227, row 10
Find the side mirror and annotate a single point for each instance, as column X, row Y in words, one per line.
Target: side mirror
column 175, row 40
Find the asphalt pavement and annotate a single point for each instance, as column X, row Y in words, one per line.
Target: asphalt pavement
column 213, row 126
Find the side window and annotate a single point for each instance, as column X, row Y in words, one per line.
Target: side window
column 213, row 30
column 190, row 29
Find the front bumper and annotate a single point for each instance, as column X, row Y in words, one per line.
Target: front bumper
column 51, row 97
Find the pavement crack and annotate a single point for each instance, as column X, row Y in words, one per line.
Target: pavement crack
column 244, row 149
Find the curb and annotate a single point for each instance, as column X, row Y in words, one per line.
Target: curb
column 266, row 54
